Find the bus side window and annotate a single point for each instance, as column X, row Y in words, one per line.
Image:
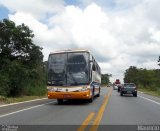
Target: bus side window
column 94, row 67
column 98, row 69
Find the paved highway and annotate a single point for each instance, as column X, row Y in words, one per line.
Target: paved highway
column 108, row 109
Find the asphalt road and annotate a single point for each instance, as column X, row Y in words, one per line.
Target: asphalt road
column 108, row 109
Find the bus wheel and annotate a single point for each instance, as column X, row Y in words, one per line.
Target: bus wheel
column 90, row 100
column 99, row 93
column 60, row 101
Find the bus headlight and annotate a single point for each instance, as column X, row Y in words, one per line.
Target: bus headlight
column 51, row 89
column 84, row 89
column 49, row 83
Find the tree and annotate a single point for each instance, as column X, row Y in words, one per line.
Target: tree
column 105, row 78
column 159, row 61
column 131, row 75
column 20, row 58
column 143, row 78
column 15, row 41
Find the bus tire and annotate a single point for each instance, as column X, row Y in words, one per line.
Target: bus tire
column 90, row 100
column 98, row 95
column 60, row 101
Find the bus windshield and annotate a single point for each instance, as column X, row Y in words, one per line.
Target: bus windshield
column 68, row 69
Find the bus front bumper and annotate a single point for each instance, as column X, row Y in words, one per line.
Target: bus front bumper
column 69, row 95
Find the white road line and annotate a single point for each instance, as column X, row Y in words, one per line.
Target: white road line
column 25, row 109
column 141, row 92
column 149, row 100
column 22, row 102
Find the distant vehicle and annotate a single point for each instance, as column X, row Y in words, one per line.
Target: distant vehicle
column 115, row 84
column 117, row 81
column 73, row 74
column 128, row 88
column 119, row 87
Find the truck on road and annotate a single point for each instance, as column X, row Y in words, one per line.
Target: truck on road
column 116, row 84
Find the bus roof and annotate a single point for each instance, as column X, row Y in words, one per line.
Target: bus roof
column 70, row 50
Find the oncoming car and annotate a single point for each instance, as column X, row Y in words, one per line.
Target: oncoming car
column 128, row 88
column 115, row 86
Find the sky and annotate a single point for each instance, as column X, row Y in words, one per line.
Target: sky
column 119, row 33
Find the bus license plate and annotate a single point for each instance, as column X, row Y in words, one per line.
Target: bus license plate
column 66, row 95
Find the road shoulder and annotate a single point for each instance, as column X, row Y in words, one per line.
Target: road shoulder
column 153, row 98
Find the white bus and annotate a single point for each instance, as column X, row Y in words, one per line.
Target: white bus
column 73, row 74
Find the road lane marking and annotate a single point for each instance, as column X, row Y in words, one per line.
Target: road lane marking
column 100, row 112
column 141, row 92
column 25, row 109
column 22, row 102
column 149, row 100
column 86, row 121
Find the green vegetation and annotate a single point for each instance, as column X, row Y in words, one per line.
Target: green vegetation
column 159, row 61
column 8, row 100
column 22, row 71
column 146, row 80
column 149, row 92
column 105, row 79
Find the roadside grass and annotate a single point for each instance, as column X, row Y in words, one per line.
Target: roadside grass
column 8, row 100
column 150, row 92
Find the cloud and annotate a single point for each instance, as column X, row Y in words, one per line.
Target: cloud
column 39, row 9
column 127, row 35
